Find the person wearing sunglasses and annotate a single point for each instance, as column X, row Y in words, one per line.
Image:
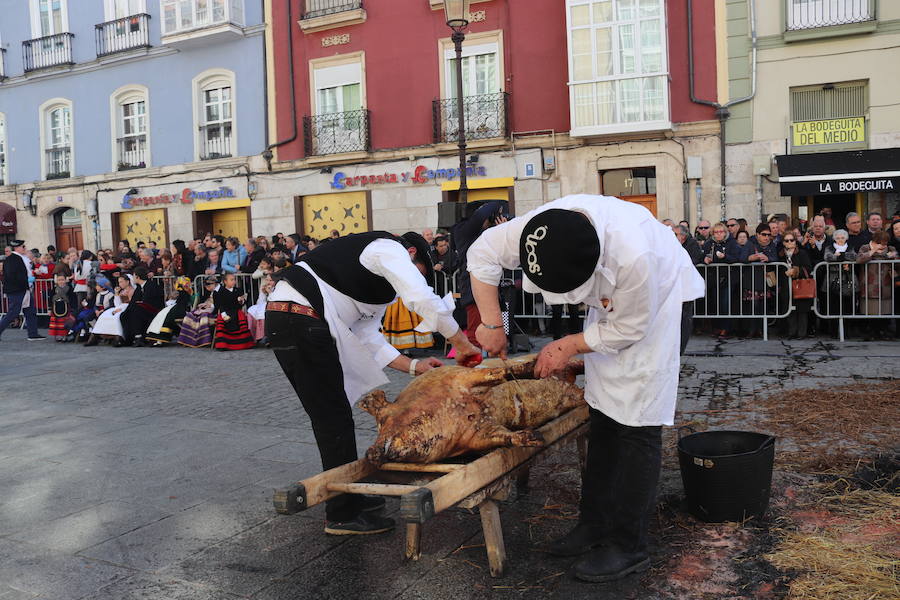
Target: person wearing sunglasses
column 754, row 289
column 702, row 232
column 800, row 267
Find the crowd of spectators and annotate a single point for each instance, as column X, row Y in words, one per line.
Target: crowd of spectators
column 847, row 282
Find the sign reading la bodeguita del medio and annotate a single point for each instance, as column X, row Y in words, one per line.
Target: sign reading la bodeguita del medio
column 421, row 174
column 187, row 196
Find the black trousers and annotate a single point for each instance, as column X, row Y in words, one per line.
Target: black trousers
column 308, row 356
column 618, row 485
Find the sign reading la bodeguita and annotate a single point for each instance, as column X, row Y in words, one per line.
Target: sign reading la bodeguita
column 186, row 196
column 421, row 174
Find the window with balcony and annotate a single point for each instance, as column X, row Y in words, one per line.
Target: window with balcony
column 326, row 14
column 51, row 44
column 56, row 138
column 131, row 128
column 811, row 14
column 484, row 102
column 618, row 67
column 340, row 123
column 215, row 115
column 127, row 27
column 3, row 175
column 2, row 64
column 180, row 16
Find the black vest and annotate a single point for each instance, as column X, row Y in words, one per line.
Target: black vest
column 337, row 264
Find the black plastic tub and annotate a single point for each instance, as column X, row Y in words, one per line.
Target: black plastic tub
column 727, row 475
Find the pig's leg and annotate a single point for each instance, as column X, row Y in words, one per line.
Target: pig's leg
column 373, row 402
column 497, row 436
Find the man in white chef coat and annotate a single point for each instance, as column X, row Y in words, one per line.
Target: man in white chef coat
column 634, row 276
column 323, row 322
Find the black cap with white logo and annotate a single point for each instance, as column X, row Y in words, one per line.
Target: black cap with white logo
column 559, row 250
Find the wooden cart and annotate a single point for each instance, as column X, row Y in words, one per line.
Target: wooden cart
column 427, row 489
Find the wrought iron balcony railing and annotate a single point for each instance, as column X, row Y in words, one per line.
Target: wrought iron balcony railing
column 486, row 116
column 48, row 51
column 2, row 169
column 333, row 133
column 131, row 152
column 215, row 141
column 123, row 34
column 811, row 14
column 59, row 165
column 320, row 8
column 2, row 64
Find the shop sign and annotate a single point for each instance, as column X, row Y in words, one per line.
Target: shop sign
column 840, row 186
column 421, row 174
column 186, row 196
column 851, row 130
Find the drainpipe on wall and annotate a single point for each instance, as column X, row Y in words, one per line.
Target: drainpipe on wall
column 267, row 153
column 722, row 112
column 759, row 198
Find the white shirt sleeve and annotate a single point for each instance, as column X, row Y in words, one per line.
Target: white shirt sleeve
column 634, row 301
column 390, row 260
column 494, row 250
column 369, row 333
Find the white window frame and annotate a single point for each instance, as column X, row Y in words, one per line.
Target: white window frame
column 468, row 52
column 232, row 12
column 109, row 8
column 126, row 95
column 4, row 153
column 618, row 75
column 43, row 117
column 36, row 30
column 208, row 80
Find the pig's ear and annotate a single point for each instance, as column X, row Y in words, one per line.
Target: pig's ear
column 373, row 402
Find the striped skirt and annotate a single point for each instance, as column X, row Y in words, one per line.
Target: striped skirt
column 195, row 329
column 59, row 326
column 233, row 335
column 399, row 325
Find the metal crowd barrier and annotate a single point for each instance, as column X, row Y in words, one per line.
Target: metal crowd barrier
column 745, row 291
column 846, row 290
column 245, row 283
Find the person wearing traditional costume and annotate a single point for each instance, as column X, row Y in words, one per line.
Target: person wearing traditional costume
column 104, row 300
column 399, row 328
column 145, row 303
column 232, row 332
column 195, row 327
column 109, row 322
column 81, row 275
column 167, row 322
column 62, row 307
column 256, row 314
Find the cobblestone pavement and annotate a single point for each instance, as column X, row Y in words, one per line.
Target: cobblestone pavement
column 148, row 473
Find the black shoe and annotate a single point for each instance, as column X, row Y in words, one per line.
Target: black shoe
column 371, row 503
column 138, row 342
column 92, row 341
column 582, row 539
column 365, row 523
column 36, row 338
column 609, row 563
column 118, row 343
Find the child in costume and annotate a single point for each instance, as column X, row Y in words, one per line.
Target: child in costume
column 232, row 332
column 104, row 300
column 62, row 306
column 167, row 322
column 195, row 328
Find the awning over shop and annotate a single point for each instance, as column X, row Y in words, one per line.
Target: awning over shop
column 839, row 172
column 7, row 219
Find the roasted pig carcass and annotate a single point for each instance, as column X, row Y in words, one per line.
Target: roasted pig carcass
column 453, row 410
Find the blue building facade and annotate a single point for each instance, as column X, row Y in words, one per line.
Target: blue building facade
column 99, row 94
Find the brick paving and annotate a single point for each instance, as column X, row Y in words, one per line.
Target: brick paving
column 148, row 473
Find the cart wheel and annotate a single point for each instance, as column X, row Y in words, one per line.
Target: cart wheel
column 289, row 501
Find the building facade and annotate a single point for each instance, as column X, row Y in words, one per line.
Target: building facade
column 560, row 98
column 823, row 126
column 128, row 119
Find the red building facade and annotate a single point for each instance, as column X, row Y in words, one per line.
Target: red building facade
column 557, row 93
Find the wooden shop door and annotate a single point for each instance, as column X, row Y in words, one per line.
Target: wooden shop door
column 231, row 222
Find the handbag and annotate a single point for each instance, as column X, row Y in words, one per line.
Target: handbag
column 803, row 289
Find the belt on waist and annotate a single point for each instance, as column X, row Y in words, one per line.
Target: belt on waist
column 81, row 282
column 293, row 308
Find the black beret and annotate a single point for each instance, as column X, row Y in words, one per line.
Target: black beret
column 559, row 250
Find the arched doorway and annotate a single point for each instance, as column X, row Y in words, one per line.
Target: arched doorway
column 67, row 225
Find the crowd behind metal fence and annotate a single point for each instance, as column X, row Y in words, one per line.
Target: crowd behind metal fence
column 753, row 279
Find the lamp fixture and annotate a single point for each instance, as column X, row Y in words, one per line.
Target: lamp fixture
column 457, row 14
column 132, row 192
column 472, row 159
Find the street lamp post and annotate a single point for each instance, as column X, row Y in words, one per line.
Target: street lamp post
column 457, row 13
